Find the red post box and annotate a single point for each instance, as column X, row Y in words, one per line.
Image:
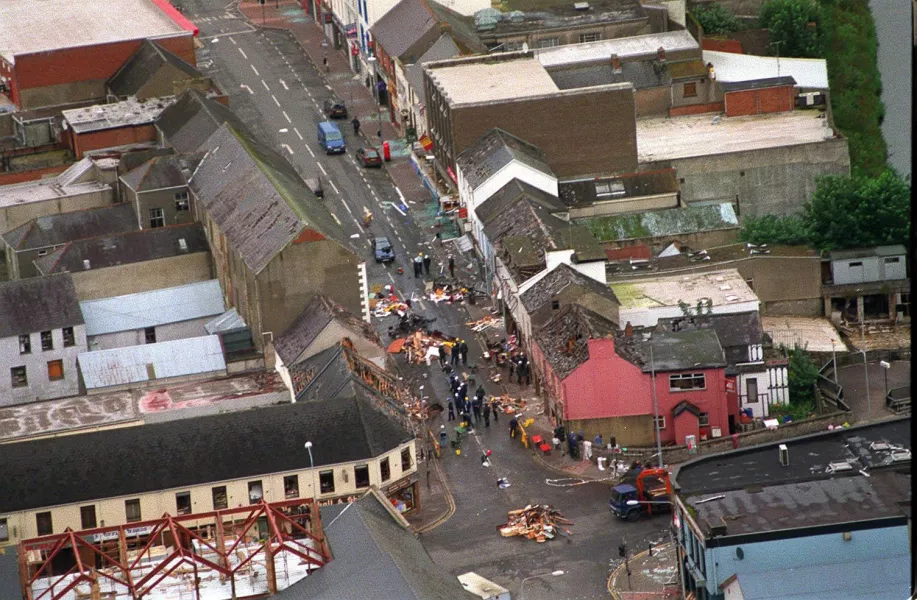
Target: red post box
column 386, row 151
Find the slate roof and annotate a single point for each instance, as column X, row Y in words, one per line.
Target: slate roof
column 313, row 319
column 256, row 198
column 193, row 451
column 142, row 65
column 685, row 350
column 124, row 248
column 442, row 49
column 732, row 329
column 56, row 229
column 374, row 556
column 189, row 121
column 557, row 280
column 162, row 172
column 38, row 304
column 411, row 27
column 660, row 223
column 571, row 323
column 133, row 364
column 757, row 84
column 495, row 150
column 152, row 308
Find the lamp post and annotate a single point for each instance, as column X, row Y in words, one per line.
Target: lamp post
column 868, row 396
column 885, row 367
column 655, row 407
column 557, row 573
column 308, row 446
column 834, row 360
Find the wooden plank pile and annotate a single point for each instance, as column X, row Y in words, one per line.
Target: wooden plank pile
column 510, row 405
column 486, row 322
column 539, row 522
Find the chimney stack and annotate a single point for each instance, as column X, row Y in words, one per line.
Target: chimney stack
column 628, row 330
column 616, row 63
column 660, row 54
column 570, row 344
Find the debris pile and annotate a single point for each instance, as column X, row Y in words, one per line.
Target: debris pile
column 385, row 302
column 485, row 323
column 539, row 522
column 510, row 405
column 447, row 293
column 421, row 347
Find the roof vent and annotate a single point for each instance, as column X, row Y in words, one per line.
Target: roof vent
column 901, row 456
column 580, row 6
column 839, row 466
column 517, row 16
column 182, row 244
column 86, row 264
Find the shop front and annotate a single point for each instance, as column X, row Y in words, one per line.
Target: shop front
column 403, row 494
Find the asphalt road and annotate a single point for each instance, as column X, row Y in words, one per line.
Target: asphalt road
column 276, row 91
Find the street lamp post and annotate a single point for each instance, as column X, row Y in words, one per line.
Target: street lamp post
column 656, row 408
column 868, row 396
column 557, row 573
column 885, row 367
column 311, row 468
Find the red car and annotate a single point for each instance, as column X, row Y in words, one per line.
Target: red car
column 369, row 157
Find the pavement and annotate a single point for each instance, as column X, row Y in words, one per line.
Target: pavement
column 872, row 406
column 273, row 85
column 653, row 575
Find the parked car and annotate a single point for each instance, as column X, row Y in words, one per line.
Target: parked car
column 335, row 108
column 369, row 157
column 382, row 249
column 330, row 138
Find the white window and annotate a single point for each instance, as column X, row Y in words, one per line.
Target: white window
column 157, row 218
column 703, row 420
column 660, row 421
column 546, row 43
column 892, row 260
column 4, row 531
column 513, row 46
column 613, row 188
column 687, row 381
column 590, row 37
column 181, row 201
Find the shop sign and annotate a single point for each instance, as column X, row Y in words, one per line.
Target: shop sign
column 351, row 31
column 398, row 485
column 731, row 386
column 354, row 49
column 463, row 213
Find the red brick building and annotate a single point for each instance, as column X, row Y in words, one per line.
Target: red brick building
column 59, row 52
column 599, row 380
column 759, row 96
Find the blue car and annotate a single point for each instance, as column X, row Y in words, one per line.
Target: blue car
column 382, row 248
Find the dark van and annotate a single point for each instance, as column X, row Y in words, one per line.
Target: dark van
column 330, row 138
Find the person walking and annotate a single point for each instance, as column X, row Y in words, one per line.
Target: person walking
column 356, row 126
column 476, row 409
column 487, row 414
column 451, row 410
column 418, row 265
column 442, row 356
column 325, row 64
column 597, row 442
column 456, row 353
column 512, row 367
column 463, row 350
column 495, row 404
column 513, row 426
column 451, row 267
column 426, row 264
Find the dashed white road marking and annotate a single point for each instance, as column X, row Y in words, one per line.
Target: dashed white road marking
column 245, row 87
column 347, row 206
column 255, row 70
column 297, row 133
column 284, row 130
column 276, row 101
column 312, row 154
column 290, row 150
column 335, row 187
column 241, row 51
column 265, row 85
column 322, row 168
column 336, row 220
column 284, row 84
column 287, row 117
column 234, row 43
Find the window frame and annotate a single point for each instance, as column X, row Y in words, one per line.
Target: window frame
column 323, row 488
column 39, row 518
column 407, row 461
column 69, row 337
column 84, row 510
column 59, row 363
column 610, row 188
column 214, row 493
column 156, row 215
column 287, row 480
column 703, row 419
column 147, row 331
column 594, row 36
column 685, row 87
column 851, row 265
column 24, row 377
column 687, row 377
column 129, row 505
column 357, row 470
column 385, row 469
column 892, row 260
column 661, row 419
column 253, row 485
column 25, row 343
column 182, row 201
column 550, row 42
column 4, row 529
column 46, row 336
column 178, row 508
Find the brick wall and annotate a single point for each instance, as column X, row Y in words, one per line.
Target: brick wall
column 756, row 102
column 733, row 46
column 6, row 178
column 109, row 138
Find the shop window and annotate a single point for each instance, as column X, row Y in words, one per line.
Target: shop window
column 18, row 377
column 47, row 341
column 687, row 381
column 4, row 531
column 385, row 469
column 361, row 476
column 25, row 344
column 660, row 421
column 149, row 335
column 703, row 420
column 326, row 482
column 255, row 492
column 183, row 503
column 132, row 510
column 690, row 90
column 291, row 487
column 181, row 201
column 44, row 524
column 406, row 462
column 219, row 497
column 55, row 370
column 69, row 338
column 157, row 218
column 88, row 517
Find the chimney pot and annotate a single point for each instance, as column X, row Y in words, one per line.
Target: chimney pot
column 628, row 330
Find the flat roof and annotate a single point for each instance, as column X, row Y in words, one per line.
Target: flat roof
column 813, row 333
column 722, row 287
column 640, row 45
column 46, row 189
column 46, row 25
column 473, row 82
column 119, row 114
column 729, row 67
column 704, row 135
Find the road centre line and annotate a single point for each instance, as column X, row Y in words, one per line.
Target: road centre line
column 299, row 135
column 265, row 85
column 287, row 117
column 255, row 70
column 242, row 52
column 322, row 168
column 312, row 154
column 336, row 191
column 276, row 101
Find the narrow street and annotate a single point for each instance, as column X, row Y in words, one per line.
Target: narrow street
column 275, row 89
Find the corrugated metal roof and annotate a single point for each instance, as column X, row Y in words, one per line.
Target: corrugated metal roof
column 176, row 358
column 228, row 321
column 156, row 307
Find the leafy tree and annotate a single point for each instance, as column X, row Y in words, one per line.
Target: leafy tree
column 716, row 19
column 788, row 24
column 802, row 373
column 858, row 211
column 771, row 229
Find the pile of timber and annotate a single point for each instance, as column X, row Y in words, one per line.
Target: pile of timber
column 539, row 522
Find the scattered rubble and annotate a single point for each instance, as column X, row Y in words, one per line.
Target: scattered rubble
column 510, row 405
column 539, row 522
column 421, row 347
column 485, row 323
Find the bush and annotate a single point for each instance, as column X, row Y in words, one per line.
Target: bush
column 802, row 373
column 770, row 229
column 716, row 19
column 788, row 22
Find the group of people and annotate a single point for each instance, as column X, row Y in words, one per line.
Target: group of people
column 422, row 265
column 471, row 410
column 459, row 353
column 520, row 367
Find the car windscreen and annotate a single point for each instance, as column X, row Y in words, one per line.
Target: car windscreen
column 333, row 136
column 371, row 154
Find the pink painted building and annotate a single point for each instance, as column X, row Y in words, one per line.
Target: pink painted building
column 597, row 379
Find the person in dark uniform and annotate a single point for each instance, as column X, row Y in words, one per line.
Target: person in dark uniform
column 451, row 410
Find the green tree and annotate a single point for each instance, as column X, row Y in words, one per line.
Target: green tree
column 802, row 373
column 771, row 229
column 789, row 31
column 858, row 211
column 716, row 19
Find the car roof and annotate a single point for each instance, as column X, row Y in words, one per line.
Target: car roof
column 329, row 126
column 624, row 488
column 368, row 150
column 382, row 238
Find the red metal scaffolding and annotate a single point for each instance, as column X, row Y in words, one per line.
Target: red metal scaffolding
column 291, row 526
